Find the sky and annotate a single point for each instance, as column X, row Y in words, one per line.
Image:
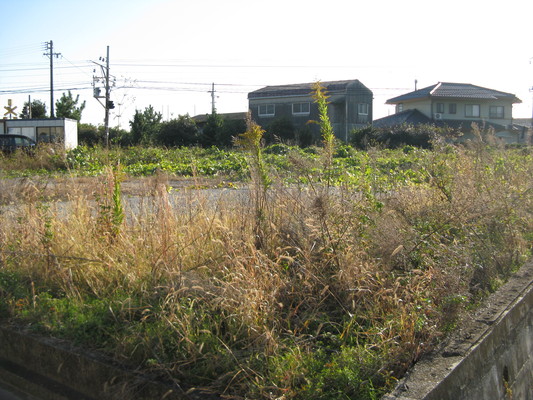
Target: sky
column 168, row 54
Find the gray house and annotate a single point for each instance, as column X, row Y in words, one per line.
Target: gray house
column 350, row 106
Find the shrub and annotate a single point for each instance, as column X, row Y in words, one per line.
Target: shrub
column 421, row 136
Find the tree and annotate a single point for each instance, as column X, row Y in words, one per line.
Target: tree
column 212, row 129
column 178, row 132
column 38, row 110
column 280, row 129
column 88, row 134
column 145, row 126
column 67, row 107
column 231, row 129
column 119, row 136
column 304, row 136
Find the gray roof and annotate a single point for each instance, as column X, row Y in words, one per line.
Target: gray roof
column 411, row 117
column 455, row 91
column 305, row 89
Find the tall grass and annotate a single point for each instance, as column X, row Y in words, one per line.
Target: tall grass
column 44, row 158
column 340, row 298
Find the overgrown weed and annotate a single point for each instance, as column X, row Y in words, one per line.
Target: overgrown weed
column 337, row 299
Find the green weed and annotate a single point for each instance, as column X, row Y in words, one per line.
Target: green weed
column 350, row 284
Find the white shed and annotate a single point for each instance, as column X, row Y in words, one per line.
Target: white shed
column 46, row 130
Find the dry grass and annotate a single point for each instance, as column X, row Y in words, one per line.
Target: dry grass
column 338, row 276
column 44, row 157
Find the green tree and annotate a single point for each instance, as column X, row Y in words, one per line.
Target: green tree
column 281, row 129
column 178, row 132
column 231, row 129
column 67, row 107
column 304, row 136
column 145, row 126
column 88, row 134
column 38, row 110
column 119, row 136
column 212, row 129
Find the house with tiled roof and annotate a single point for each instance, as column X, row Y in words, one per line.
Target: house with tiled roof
column 350, row 106
column 458, row 105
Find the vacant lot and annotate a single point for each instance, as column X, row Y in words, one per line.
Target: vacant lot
column 322, row 280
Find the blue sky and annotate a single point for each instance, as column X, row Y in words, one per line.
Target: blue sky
column 168, row 53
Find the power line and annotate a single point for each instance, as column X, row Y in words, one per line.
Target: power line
column 43, row 89
column 43, row 68
column 20, row 50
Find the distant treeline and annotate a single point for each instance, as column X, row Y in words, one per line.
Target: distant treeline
column 148, row 128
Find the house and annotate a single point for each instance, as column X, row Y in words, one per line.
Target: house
column 350, row 106
column 458, row 105
column 46, row 130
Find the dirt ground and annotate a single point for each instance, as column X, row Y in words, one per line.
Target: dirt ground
column 14, row 190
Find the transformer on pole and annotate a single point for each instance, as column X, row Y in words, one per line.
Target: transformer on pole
column 108, row 104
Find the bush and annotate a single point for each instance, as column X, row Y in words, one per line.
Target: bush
column 178, row 132
column 280, row 130
column 421, row 136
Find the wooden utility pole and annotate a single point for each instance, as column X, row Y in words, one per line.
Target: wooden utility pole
column 51, row 54
column 107, row 104
column 212, row 91
column 107, row 95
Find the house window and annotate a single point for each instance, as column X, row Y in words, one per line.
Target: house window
column 452, row 108
column 472, row 110
column 362, row 108
column 496, row 112
column 266, row 110
column 440, row 108
column 399, row 107
column 300, row 108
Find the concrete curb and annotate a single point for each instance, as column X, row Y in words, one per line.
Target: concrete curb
column 489, row 357
column 51, row 369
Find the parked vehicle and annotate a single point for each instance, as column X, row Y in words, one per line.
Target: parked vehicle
column 10, row 143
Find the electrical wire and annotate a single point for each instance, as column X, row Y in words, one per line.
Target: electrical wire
column 21, row 71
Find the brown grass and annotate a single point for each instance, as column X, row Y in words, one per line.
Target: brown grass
column 390, row 275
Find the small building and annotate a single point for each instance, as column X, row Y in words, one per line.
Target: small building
column 458, row 105
column 46, row 130
column 350, row 106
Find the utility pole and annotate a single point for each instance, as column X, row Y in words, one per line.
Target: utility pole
column 51, row 54
column 108, row 104
column 531, row 90
column 212, row 91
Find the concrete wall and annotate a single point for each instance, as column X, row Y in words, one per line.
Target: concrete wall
column 50, row 369
column 489, row 358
